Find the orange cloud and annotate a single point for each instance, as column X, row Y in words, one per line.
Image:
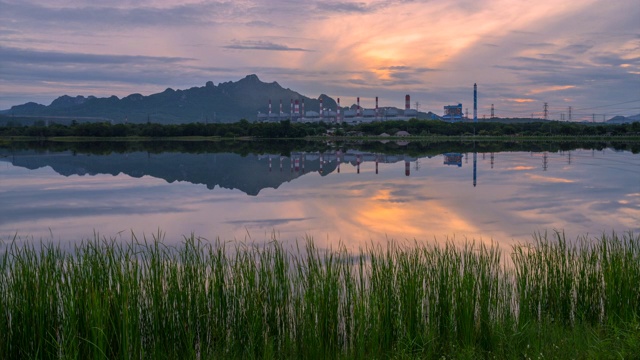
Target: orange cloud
column 551, row 88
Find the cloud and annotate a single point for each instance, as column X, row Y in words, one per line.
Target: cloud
column 261, row 45
column 12, row 54
column 186, row 14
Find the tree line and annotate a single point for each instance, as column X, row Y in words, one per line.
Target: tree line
column 287, row 129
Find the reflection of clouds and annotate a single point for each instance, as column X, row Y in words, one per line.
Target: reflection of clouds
column 549, row 179
column 357, row 209
column 266, row 222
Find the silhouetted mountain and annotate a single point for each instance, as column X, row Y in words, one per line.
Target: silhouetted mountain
column 623, row 119
column 227, row 102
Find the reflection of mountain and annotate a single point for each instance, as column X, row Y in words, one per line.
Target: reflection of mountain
column 249, row 174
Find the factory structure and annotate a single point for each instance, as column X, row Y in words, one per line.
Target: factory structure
column 356, row 114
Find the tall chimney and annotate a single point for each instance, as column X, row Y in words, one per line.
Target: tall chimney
column 338, row 111
column 475, row 102
column 358, row 108
column 303, row 112
column 376, row 106
column 291, row 110
column 280, row 106
column 321, row 109
column 269, row 107
column 407, row 102
column 297, row 107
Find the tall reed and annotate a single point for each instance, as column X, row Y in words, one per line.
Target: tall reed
column 145, row 299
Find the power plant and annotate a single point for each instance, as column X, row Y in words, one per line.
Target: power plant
column 356, row 114
column 353, row 114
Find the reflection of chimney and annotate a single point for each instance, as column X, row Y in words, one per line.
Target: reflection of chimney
column 281, row 160
column 475, row 168
column 407, row 102
column 376, row 159
column 358, row 163
column 269, row 163
column 321, row 163
column 297, row 162
column 407, row 168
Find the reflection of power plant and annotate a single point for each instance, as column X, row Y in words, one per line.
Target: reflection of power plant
column 453, row 159
column 325, row 163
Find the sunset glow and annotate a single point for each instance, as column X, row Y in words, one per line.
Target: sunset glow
column 520, row 54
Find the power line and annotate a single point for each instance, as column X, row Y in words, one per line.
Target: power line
column 601, row 106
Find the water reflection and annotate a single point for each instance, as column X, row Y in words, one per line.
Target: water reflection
column 345, row 194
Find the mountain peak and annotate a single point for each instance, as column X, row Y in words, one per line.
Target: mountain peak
column 251, row 78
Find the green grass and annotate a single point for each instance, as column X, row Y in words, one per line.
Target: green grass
column 143, row 299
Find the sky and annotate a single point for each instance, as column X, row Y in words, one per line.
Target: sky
column 579, row 54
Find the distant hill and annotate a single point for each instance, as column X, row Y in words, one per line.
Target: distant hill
column 226, row 102
column 623, row 119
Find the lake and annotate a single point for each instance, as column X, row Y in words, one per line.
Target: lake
column 354, row 193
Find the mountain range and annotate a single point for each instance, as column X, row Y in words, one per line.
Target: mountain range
column 225, row 102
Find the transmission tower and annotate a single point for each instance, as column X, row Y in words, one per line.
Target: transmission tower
column 546, row 111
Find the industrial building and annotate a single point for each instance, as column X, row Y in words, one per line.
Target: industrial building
column 453, row 113
column 354, row 115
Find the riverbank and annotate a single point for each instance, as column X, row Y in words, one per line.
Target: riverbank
column 552, row 298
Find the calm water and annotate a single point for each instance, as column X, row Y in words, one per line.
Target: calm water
column 340, row 193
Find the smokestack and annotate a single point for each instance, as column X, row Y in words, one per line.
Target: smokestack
column 321, row 109
column 338, row 111
column 407, row 102
column 280, row 106
column 291, row 110
column 475, row 103
column 269, row 107
column 376, row 106
column 358, row 108
column 297, row 107
column 303, row 112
